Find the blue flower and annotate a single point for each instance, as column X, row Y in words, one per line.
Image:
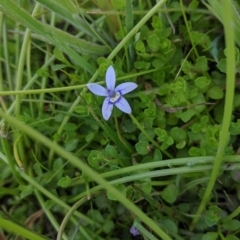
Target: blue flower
column 114, row 96
column 134, row 231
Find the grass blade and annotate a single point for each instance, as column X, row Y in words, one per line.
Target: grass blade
column 57, row 37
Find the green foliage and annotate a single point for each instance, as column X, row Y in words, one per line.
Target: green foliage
column 215, row 92
column 235, row 128
column 142, row 147
column 201, row 39
column 121, row 189
column 153, row 43
column 150, row 169
column 202, row 82
column 25, row 190
column 210, row 236
column 64, row 181
column 108, row 226
column 212, row 215
column 169, row 225
column 170, row 193
column 95, row 158
column 231, row 225
column 231, row 237
column 111, row 152
column 187, row 115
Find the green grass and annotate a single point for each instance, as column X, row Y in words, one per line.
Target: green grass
column 170, row 168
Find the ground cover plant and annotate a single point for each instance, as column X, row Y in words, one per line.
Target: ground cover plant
column 154, row 155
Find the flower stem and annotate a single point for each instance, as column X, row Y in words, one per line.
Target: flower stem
column 119, row 134
column 228, row 107
column 149, row 138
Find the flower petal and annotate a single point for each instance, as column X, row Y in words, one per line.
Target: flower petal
column 134, row 231
column 107, row 108
column 127, row 87
column 110, row 78
column 123, row 105
column 97, row 89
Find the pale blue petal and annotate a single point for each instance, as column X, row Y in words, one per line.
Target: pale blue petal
column 97, row 89
column 123, row 105
column 127, row 87
column 107, row 108
column 110, row 78
column 134, row 231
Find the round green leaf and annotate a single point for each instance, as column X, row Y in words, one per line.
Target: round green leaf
column 231, row 225
column 170, row 193
column 169, row 225
column 181, row 145
column 210, row 236
column 111, row 151
column 178, row 134
column 64, row 181
column 202, row 82
column 147, row 186
column 215, row 92
column 81, row 110
column 71, row 144
column 187, row 115
column 157, row 155
column 140, row 47
column 108, row 226
column 89, row 137
column 94, row 158
column 201, row 64
column 142, row 147
column 153, row 43
column 222, row 65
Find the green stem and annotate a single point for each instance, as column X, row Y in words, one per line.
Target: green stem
column 143, row 230
column 11, row 161
column 120, row 136
column 2, row 35
column 6, row 54
column 65, row 120
column 191, row 162
column 150, row 175
column 224, row 133
column 41, row 91
column 22, row 62
column 188, row 29
column 70, row 88
column 19, row 230
column 49, row 214
column 19, row 78
column 68, row 215
column 234, row 214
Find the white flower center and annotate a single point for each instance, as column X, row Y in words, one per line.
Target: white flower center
column 115, row 97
